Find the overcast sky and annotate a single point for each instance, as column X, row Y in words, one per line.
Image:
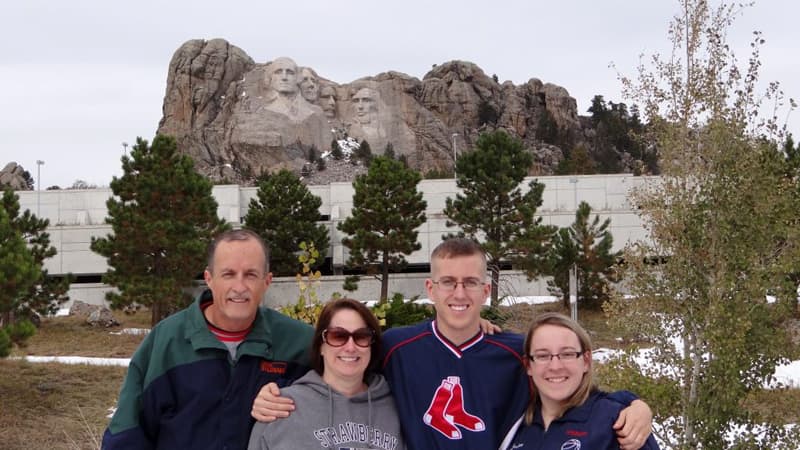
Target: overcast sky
column 80, row 77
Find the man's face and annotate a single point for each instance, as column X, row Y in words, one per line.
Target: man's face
column 309, row 87
column 327, row 101
column 238, row 282
column 458, row 310
column 364, row 104
column 284, row 76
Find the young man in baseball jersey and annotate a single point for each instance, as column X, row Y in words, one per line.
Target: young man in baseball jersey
column 456, row 387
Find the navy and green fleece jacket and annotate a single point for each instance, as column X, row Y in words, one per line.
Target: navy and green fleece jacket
column 183, row 390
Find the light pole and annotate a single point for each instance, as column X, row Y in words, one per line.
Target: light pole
column 454, row 135
column 39, row 163
column 125, row 149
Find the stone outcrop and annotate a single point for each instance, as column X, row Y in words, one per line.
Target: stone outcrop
column 13, row 176
column 96, row 315
column 236, row 117
column 102, row 317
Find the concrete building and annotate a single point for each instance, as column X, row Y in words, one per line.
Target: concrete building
column 78, row 215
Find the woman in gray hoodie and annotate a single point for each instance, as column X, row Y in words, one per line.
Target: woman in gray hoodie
column 342, row 402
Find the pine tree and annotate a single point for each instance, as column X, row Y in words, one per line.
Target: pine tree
column 578, row 162
column 723, row 235
column 364, row 152
column 18, row 271
column 389, row 151
column 587, row 246
column 28, row 180
column 493, row 209
column 285, row 214
column 336, row 150
column 45, row 296
column 312, row 154
column 163, row 217
column 387, row 209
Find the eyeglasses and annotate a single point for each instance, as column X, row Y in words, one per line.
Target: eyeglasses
column 449, row 284
column 565, row 357
column 337, row 336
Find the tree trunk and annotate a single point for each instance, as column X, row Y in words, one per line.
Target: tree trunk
column 495, row 283
column 384, row 278
column 156, row 312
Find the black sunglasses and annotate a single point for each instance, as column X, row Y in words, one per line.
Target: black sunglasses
column 337, row 337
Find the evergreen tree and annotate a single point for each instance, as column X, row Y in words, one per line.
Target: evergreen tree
column 163, row 217
column 312, row 154
column 722, row 225
column 389, row 151
column 336, row 150
column 578, row 162
column 403, row 159
column 28, row 180
column 18, row 271
column 487, row 113
column 285, row 214
column 587, row 246
column 364, row 152
column 494, row 210
column 45, row 296
column 387, row 210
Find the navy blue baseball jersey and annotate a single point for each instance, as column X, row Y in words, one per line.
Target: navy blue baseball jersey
column 587, row 427
column 449, row 396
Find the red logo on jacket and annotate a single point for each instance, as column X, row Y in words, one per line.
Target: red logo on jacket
column 276, row 367
column 577, row 433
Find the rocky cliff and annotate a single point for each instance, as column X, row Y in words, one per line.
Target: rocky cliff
column 236, row 117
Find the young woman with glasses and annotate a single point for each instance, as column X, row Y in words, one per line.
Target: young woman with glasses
column 566, row 409
column 342, row 402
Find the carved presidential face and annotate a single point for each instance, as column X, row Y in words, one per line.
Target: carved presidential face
column 283, row 76
column 327, row 100
column 309, row 86
column 364, row 104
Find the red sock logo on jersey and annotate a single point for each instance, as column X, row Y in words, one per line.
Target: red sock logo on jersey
column 455, row 409
column 447, row 410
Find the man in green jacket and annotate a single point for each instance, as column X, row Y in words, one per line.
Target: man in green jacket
column 192, row 381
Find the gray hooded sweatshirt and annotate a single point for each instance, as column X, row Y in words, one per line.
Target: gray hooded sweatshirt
column 324, row 418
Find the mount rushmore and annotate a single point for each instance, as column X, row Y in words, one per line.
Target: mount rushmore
column 237, row 118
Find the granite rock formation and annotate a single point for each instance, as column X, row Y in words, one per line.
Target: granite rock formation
column 13, row 176
column 236, row 117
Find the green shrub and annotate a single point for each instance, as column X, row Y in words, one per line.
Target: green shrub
column 20, row 331
column 495, row 315
column 399, row 313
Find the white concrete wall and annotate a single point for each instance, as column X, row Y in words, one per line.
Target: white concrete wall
column 78, row 215
column 284, row 290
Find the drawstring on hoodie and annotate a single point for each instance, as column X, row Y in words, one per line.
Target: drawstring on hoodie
column 369, row 406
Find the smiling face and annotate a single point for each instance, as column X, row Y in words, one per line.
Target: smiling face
column 556, row 381
column 345, row 365
column 238, row 280
column 458, row 311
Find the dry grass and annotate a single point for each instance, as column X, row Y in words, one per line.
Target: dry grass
column 60, row 336
column 519, row 317
column 55, row 406
column 59, row 406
